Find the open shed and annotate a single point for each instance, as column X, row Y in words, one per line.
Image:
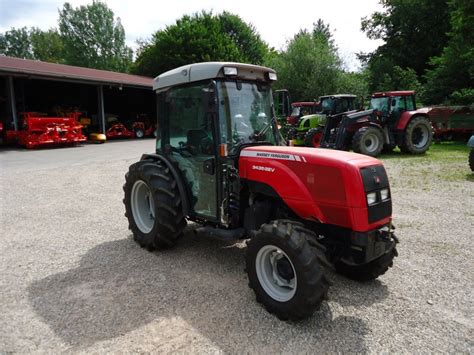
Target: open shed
column 53, row 89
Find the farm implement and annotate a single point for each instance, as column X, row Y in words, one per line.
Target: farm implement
column 40, row 131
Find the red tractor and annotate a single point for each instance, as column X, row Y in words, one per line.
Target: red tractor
column 220, row 163
column 392, row 119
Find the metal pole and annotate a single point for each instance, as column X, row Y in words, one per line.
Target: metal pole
column 100, row 94
column 11, row 95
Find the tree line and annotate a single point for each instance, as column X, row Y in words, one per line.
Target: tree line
column 428, row 46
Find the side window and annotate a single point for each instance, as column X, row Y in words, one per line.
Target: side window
column 410, row 103
column 189, row 125
column 192, row 142
column 398, row 103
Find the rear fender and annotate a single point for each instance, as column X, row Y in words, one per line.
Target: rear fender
column 405, row 118
column 180, row 180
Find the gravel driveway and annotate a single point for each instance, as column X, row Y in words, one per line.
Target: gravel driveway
column 72, row 279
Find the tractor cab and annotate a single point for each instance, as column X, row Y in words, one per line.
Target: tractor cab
column 390, row 105
column 204, row 124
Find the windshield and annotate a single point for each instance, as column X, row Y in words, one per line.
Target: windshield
column 245, row 111
column 379, row 104
column 327, row 105
column 296, row 111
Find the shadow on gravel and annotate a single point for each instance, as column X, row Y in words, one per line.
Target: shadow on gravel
column 118, row 287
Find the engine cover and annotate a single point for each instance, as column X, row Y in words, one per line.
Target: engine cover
column 322, row 185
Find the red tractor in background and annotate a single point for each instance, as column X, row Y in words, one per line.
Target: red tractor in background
column 220, row 163
column 391, row 120
column 302, row 108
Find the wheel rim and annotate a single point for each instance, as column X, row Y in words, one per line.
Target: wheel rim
column 276, row 273
column 139, row 133
column 143, row 206
column 371, row 142
column 420, row 136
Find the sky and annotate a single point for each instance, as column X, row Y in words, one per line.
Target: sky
column 275, row 21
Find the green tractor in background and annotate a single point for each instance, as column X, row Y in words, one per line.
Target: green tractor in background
column 310, row 127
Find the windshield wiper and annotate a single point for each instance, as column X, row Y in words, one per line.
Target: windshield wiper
column 264, row 130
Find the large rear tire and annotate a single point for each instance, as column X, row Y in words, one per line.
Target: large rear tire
column 153, row 205
column 286, row 267
column 368, row 140
column 418, row 136
column 369, row 271
column 312, row 138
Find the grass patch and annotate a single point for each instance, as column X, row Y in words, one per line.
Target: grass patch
column 447, row 161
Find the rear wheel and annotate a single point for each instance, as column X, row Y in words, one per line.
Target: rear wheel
column 287, row 269
column 312, row 138
column 368, row 140
column 418, row 136
column 369, row 271
column 153, row 205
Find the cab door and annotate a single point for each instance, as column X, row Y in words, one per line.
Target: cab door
column 191, row 142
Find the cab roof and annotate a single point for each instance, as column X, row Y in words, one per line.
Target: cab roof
column 209, row 70
column 393, row 93
column 338, row 96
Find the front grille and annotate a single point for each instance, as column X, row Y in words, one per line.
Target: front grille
column 375, row 179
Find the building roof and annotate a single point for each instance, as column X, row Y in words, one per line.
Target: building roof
column 43, row 70
column 210, row 70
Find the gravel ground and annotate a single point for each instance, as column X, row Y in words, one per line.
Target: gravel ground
column 72, row 279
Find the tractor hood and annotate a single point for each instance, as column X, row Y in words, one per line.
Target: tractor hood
column 308, row 155
column 318, row 184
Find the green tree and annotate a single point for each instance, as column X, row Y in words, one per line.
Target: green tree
column 451, row 79
column 92, row 38
column 47, row 45
column 197, row 38
column 310, row 66
column 16, row 43
column 413, row 32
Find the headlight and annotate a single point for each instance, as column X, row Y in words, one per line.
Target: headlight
column 371, row 198
column 384, row 194
column 230, row 71
column 272, row 76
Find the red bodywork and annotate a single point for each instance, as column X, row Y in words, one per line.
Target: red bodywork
column 317, row 184
column 118, row 130
column 44, row 131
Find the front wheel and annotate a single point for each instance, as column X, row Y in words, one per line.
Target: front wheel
column 286, row 267
column 368, row 140
column 312, row 138
column 417, row 136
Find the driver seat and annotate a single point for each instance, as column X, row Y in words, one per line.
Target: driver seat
column 195, row 139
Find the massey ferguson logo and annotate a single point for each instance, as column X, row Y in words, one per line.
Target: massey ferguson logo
column 263, row 168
